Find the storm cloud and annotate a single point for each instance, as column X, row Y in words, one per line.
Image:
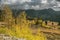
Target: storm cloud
column 32, row 4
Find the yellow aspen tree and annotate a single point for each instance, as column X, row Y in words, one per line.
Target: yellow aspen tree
column 8, row 15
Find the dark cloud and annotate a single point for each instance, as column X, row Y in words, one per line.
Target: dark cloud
column 58, row 0
column 33, row 4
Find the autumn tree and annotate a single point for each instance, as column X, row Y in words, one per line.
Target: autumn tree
column 8, row 18
column 21, row 19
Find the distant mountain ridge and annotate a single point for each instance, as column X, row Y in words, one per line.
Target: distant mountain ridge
column 46, row 14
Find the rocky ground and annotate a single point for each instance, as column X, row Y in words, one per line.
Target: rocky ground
column 7, row 37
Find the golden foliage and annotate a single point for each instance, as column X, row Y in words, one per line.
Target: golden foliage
column 22, row 28
column 8, row 15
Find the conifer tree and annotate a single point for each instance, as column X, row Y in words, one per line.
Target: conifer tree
column 1, row 15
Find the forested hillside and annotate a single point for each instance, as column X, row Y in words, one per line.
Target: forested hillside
column 46, row 14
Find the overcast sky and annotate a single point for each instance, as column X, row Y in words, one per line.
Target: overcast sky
column 33, row 4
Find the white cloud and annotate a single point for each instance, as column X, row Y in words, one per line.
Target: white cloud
column 35, row 7
column 13, row 1
column 5, row 1
column 26, row 6
column 8, row 1
column 56, row 8
column 58, row 4
column 43, row 1
column 22, row 1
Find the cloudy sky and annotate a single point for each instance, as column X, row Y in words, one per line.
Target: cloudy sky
column 33, row 4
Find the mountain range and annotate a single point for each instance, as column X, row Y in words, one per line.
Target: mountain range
column 46, row 14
